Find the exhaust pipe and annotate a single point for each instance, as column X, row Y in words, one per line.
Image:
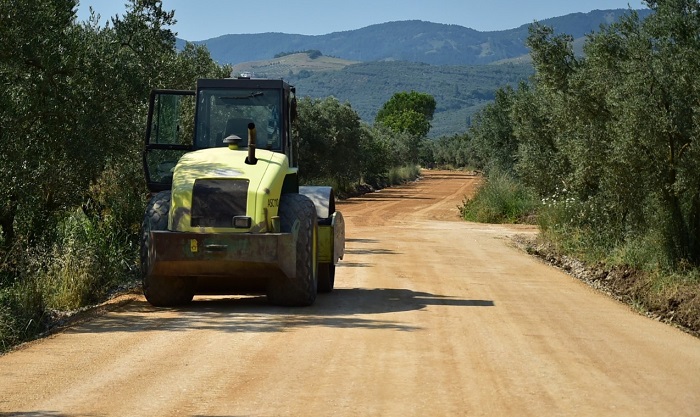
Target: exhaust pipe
column 251, row 159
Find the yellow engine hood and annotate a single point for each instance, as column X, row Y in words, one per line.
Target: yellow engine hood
column 265, row 184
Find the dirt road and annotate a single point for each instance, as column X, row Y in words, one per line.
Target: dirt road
column 431, row 317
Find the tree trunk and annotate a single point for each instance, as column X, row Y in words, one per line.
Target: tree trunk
column 676, row 230
column 7, row 221
column 694, row 225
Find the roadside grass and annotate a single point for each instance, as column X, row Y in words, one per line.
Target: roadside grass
column 400, row 175
column 500, row 199
column 675, row 297
column 88, row 259
column 395, row 176
column 22, row 313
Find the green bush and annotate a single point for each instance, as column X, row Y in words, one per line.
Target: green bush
column 400, row 175
column 89, row 257
column 501, row 199
column 22, row 313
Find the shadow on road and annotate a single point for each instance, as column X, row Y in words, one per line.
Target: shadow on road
column 374, row 197
column 346, row 264
column 359, row 240
column 56, row 414
column 343, row 308
column 365, row 251
column 35, row 414
column 369, row 252
column 452, row 176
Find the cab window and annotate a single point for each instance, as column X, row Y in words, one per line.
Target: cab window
column 225, row 112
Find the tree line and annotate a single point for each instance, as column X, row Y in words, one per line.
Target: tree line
column 336, row 145
column 608, row 140
column 312, row 53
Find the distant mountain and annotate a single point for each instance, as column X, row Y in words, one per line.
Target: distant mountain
column 414, row 41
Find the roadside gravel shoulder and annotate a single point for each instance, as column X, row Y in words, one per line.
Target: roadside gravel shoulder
column 678, row 306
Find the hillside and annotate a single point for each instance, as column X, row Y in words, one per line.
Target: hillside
column 459, row 90
column 292, row 65
column 415, row 41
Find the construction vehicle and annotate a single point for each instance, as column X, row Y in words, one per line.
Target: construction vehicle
column 227, row 214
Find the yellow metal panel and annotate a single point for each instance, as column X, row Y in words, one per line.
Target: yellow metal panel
column 325, row 244
column 265, row 185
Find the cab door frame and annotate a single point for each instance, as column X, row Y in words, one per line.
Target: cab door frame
column 162, row 149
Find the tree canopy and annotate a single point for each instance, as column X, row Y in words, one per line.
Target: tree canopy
column 409, row 112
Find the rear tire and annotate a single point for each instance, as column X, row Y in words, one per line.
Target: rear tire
column 326, row 277
column 297, row 211
column 161, row 291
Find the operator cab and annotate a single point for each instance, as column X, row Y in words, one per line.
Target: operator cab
column 227, row 107
column 181, row 121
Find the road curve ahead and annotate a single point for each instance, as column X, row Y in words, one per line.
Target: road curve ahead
column 431, row 316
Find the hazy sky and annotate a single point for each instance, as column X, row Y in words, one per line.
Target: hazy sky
column 205, row 19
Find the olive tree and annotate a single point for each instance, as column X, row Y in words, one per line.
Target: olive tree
column 331, row 141
column 408, row 114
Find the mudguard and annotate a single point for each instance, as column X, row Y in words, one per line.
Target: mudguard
column 323, row 198
column 330, row 223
